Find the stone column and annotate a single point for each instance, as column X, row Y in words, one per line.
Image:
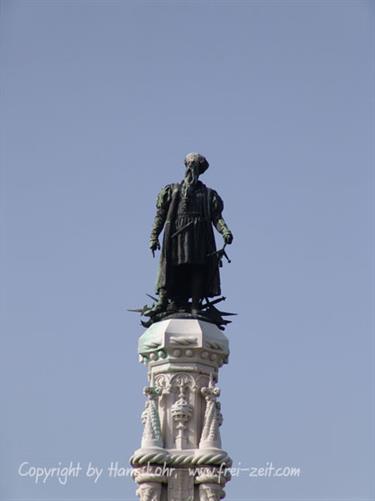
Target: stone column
column 181, row 456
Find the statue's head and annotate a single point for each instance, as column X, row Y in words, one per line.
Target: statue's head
column 195, row 164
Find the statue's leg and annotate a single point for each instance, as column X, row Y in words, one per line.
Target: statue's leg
column 197, row 282
column 181, row 289
column 161, row 303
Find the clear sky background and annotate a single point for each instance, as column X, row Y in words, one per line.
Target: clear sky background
column 100, row 102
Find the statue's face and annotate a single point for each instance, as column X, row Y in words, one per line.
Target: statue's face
column 192, row 172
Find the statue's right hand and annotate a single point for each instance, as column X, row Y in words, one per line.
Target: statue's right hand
column 154, row 245
column 228, row 237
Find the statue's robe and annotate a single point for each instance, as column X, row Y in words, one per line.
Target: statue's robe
column 192, row 217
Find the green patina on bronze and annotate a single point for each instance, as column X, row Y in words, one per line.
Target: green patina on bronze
column 189, row 265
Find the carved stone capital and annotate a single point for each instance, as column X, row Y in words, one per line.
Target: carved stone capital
column 177, row 342
column 175, row 382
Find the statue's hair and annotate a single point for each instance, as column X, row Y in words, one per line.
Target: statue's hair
column 200, row 159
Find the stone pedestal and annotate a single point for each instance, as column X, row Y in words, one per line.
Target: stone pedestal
column 181, row 457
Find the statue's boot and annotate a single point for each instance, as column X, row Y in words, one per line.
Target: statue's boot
column 160, row 306
column 179, row 304
column 195, row 306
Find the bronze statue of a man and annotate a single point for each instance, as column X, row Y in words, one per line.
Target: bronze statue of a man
column 189, row 264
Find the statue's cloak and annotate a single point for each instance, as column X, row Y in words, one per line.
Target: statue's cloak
column 194, row 245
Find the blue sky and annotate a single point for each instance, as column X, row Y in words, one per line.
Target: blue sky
column 100, row 103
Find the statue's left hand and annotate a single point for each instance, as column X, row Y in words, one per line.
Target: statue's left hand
column 154, row 245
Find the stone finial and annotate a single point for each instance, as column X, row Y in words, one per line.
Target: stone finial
column 152, row 436
column 181, row 412
column 210, row 438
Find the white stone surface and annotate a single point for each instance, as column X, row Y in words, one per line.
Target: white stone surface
column 182, row 416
